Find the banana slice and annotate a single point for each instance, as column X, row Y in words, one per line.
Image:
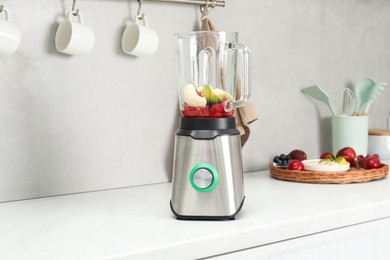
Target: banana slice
column 223, row 94
column 191, row 97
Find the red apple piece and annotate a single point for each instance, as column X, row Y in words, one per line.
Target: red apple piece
column 349, row 154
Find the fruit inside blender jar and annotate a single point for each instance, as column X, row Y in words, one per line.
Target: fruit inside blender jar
column 205, row 102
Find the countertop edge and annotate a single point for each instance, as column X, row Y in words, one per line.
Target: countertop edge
column 281, row 231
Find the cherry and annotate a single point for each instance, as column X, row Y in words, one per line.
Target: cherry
column 296, row 165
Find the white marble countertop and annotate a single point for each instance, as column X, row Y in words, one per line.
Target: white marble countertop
column 137, row 222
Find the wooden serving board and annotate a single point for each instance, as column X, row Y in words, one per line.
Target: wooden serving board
column 353, row 175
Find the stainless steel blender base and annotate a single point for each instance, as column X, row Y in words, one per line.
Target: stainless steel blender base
column 186, row 217
column 207, row 178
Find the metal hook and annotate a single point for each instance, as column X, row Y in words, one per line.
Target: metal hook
column 139, row 16
column 204, row 9
column 75, row 12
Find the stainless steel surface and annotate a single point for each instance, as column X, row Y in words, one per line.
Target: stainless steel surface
column 222, row 152
column 210, row 3
column 203, row 178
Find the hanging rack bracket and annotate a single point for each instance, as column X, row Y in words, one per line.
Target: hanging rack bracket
column 74, row 10
column 210, row 3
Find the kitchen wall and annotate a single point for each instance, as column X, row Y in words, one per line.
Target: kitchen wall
column 107, row 120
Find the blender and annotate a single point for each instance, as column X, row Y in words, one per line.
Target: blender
column 207, row 169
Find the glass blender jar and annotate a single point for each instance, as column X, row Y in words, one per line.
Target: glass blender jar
column 207, row 71
column 207, row 169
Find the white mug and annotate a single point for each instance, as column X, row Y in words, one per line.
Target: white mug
column 74, row 38
column 139, row 40
column 9, row 35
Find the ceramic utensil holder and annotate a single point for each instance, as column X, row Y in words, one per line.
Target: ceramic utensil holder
column 350, row 131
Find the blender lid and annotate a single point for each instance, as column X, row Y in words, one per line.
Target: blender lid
column 207, row 128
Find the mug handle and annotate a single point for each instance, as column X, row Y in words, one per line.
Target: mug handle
column 246, row 72
column 7, row 14
column 142, row 18
column 75, row 13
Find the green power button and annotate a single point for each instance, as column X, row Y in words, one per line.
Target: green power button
column 204, row 177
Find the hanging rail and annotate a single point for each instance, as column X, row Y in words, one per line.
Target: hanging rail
column 210, row 3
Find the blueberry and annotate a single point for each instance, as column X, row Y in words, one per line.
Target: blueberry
column 283, row 156
column 277, row 160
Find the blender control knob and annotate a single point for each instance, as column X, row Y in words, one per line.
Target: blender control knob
column 204, row 177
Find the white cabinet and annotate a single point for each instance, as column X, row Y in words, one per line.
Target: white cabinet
column 366, row 241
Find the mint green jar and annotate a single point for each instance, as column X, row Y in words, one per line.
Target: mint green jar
column 350, row 131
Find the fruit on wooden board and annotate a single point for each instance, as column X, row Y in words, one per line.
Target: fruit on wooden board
column 327, row 155
column 297, row 155
column 296, row 165
column 368, row 162
column 341, row 160
column 349, row 154
column 282, row 160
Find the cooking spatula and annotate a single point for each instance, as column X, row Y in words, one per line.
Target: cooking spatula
column 318, row 93
column 362, row 92
column 375, row 93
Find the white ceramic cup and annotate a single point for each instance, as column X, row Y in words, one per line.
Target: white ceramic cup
column 9, row 35
column 140, row 40
column 74, row 38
